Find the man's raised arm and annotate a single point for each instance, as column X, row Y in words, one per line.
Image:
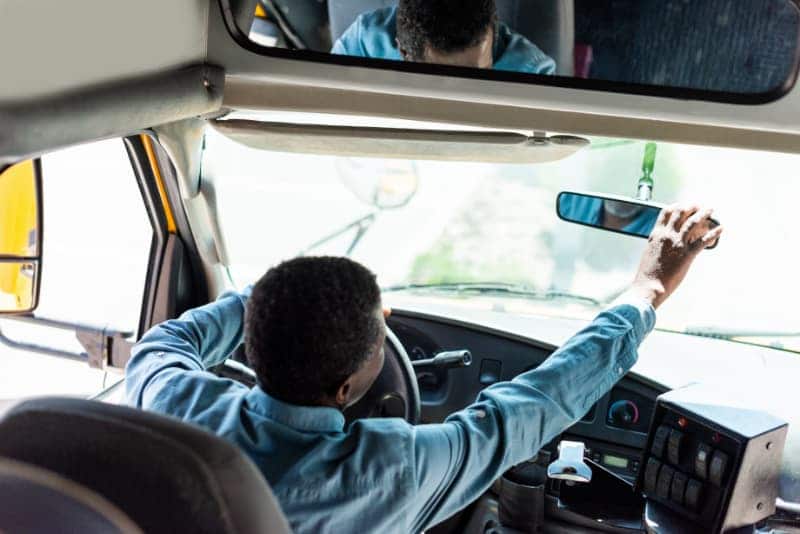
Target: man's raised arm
column 458, row 460
column 198, row 339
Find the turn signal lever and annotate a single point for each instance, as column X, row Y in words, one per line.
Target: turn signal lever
column 445, row 360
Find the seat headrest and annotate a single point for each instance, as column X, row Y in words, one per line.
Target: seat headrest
column 37, row 500
column 550, row 24
column 167, row 476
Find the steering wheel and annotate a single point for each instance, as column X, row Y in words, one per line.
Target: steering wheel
column 395, row 392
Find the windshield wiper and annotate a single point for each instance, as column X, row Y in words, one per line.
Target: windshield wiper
column 497, row 288
column 721, row 332
column 361, row 225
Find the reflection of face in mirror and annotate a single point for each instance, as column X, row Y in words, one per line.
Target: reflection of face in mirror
column 450, row 32
column 627, row 217
column 617, row 215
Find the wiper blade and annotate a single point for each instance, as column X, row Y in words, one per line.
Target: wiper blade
column 499, row 288
column 720, row 332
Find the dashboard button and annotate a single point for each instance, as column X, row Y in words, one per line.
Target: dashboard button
column 694, row 494
column 664, row 481
column 716, row 469
column 674, row 444
column 701, row 459
column 660, row 441
column 651, row 476
column 679, row 482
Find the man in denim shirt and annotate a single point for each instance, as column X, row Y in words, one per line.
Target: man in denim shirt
column 448, row 32
column 314, row 330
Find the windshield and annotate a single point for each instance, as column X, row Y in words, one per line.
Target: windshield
column 491, row 230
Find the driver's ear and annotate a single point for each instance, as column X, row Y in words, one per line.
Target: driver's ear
column 403, row 52
column 343, row 394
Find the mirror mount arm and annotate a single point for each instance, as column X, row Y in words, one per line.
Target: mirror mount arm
column 644, row 190
column 104, row 346
column 39, row 349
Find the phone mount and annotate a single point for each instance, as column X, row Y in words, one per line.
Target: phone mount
column 570, row 465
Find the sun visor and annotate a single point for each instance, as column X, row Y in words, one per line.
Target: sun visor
column 400, row 143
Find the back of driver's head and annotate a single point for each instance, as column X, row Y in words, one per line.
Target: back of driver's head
column 310, row 323
column 444, row 25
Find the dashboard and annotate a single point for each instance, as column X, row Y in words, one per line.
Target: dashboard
column 614, row 430
column 682, row 387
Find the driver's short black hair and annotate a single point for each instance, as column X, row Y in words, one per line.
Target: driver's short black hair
column 445, row 25
column 310, row 323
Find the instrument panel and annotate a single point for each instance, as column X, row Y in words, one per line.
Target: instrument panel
column 614, row 430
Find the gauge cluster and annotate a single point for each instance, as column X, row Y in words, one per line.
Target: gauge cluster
column 629, row 410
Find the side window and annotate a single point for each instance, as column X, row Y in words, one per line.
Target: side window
column 97, row 239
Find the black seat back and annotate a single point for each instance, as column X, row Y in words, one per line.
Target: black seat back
column 35, row 500
column 166, row 475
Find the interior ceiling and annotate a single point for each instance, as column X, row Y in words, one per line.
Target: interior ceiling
column 75, row 47
column 47, row 48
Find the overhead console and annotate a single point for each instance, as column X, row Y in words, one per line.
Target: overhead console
column 709, row 465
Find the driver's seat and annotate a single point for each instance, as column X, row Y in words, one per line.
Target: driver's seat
column 167, row 476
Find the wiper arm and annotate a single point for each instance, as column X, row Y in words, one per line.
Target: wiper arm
column 497, row 288
column 361, row 225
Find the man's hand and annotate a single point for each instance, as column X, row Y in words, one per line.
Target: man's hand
column 680, row 234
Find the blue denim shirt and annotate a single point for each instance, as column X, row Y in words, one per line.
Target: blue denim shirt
column 376, row 475
column 374, row 35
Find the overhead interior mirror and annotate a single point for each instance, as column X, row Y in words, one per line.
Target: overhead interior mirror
column 744, row 52
column 20, row 237
column 612, row 213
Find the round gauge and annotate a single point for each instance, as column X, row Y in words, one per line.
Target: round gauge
column 623, row 413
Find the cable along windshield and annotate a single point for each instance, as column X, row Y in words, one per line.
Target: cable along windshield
column 434, row 223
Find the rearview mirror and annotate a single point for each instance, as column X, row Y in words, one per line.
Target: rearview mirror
column 737, row 52
column 20, row 237
column 612, row 213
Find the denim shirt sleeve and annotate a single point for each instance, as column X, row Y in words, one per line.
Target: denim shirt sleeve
column 458, row 460
column 180, row 350
column 349, row 44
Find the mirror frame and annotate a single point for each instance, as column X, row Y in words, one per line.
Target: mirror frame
column 604, row 196
column 231, row 20
column 36, row 260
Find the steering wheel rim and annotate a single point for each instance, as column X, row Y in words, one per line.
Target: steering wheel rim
column 396, row 385
column 395, row 388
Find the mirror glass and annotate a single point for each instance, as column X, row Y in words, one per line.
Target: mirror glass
column 725, row 50
column 17, row 286
column 18, row 211
column 19, row 237
column 627, row 217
